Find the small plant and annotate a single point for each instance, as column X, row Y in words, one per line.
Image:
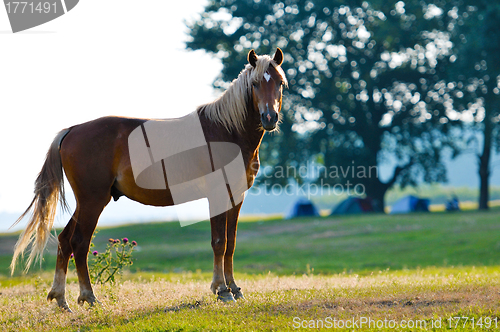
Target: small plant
column 105, row 266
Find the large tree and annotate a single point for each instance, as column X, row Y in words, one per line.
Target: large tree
column 475, row 74
column 365, row 83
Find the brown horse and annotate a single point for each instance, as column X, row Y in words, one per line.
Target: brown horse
column 96, row 159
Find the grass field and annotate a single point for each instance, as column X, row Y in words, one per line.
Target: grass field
column 420, row 269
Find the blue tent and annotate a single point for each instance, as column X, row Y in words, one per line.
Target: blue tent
column 410, row 204
column 353, row 205
column 302, row 208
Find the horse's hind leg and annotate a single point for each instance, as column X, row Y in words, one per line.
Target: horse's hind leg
column 64, row 250
column 232, row 224
column 88, row 214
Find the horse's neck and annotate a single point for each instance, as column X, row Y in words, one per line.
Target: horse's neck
column 248, row 139
column 252, row 138
column 253, row 128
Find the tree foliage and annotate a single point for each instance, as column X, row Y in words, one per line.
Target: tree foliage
column 366, row 82
column 474, row 28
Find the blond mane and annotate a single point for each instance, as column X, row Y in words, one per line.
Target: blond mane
column 230, row 109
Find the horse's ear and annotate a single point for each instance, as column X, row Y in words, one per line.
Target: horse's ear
column 252, row 58
column 278, row 56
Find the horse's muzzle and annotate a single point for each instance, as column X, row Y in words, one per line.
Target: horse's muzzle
column 269, row 119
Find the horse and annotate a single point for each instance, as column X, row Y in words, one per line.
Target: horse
column 96, row 158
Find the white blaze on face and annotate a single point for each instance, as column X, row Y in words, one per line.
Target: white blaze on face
column 267, row 77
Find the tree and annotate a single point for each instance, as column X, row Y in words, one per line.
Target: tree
column 365, row 84
column 475, row 31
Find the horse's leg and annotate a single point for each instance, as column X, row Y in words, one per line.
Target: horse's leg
column 88, row 214
column 218, row 226
column 232, row 224
column 64, row 250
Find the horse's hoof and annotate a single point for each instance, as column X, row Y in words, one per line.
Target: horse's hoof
column 238, row 295
column 225, row 296
column 61, row 301
column 89, row 298
column 65, row 307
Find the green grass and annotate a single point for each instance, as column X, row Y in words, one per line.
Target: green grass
column 360, row 244
column 272, row 303
column 418, row 267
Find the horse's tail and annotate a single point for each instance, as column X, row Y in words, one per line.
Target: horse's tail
column 49, row 189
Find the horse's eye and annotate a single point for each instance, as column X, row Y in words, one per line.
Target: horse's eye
column 255, row 84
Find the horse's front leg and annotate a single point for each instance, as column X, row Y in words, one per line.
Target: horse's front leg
column 218, row 226
column 232, row 224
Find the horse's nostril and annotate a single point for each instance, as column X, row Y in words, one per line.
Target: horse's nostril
column 269, row 119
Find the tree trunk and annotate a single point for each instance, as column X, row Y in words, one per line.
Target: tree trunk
column 484, row 166
column 376, row 191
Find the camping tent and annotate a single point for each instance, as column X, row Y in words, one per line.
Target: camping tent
column 353, row 205
column 410, row 204
column 302, row 208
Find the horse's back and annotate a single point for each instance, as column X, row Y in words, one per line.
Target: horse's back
column 97, row 140
column 146, row 160
column 92, row 153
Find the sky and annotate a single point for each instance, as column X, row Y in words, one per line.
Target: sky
column 116, row 58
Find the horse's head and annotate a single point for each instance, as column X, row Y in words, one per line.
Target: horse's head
column 267, row 88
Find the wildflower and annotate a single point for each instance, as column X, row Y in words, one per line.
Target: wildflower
column 125, row 240
column 134, row 243
column 117, row 241
column 95, row 253
column 111, row 240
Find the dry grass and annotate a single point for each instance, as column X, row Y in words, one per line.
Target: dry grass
column 184, row 302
